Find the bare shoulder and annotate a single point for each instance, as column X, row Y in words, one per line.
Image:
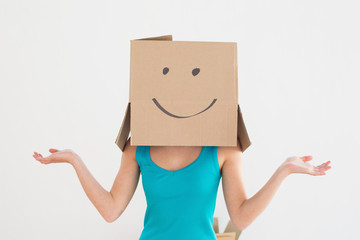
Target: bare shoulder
column 129, row 150
column 230, row 153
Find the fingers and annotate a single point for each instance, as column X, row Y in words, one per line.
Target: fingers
column 40, row 158
column 325, row 166
column 317, row 172
column 45, row 160
column 321, row 169
column 37, row 155
column 325, row 163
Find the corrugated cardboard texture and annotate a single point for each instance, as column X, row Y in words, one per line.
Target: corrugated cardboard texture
column 183, row 93
column 160, row 103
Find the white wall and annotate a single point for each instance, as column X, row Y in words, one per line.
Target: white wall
column 64, row 81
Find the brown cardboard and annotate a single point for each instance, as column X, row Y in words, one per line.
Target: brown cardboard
column 230, row 232
column 194, row 102
column 226, row 236
column 216, row 224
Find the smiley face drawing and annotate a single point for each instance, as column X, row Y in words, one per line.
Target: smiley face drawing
column 195, row 72
column 183, row 92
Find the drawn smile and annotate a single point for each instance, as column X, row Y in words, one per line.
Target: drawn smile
column 176, row 116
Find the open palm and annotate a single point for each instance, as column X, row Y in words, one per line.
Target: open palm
column 302, row 165
column 56, row 156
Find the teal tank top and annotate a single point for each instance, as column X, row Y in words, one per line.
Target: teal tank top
column 180, row 203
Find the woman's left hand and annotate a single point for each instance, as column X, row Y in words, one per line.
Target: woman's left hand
column 301, row 165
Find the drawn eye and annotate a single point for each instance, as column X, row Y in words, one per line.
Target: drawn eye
column 195, row 71
column 165, row 70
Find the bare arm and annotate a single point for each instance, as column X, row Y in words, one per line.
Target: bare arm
column 109, row 204
column 242, row 210
column 125, row 182
column 251, row 208
column 99, row 197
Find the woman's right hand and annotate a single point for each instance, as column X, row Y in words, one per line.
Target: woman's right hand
column 57, row 156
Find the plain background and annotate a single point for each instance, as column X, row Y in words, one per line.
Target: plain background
column 64, row 71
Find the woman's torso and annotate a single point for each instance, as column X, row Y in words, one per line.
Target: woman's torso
column 180, row 185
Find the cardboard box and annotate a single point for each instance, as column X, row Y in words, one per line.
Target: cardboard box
column 230, row 232
column 183, row 93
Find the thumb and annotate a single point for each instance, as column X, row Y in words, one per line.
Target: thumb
column 53, row 150
column 306, row 158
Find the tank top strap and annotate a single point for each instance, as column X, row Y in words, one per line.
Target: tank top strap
column 211, row 159
column 141, row 156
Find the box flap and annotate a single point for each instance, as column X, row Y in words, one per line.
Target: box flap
column 124, row 130
column 242, row 132
column 164, row 37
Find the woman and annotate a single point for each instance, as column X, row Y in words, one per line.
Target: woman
column 180, row 184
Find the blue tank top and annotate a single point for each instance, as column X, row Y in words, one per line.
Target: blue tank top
column 180, row 203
